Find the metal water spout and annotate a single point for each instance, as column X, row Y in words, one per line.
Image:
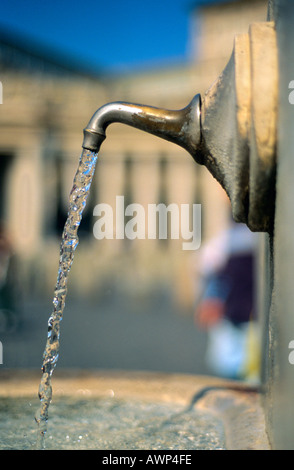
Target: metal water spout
column 180, row 127
column 231, row 130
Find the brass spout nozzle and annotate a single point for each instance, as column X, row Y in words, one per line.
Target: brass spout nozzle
column 181, row 127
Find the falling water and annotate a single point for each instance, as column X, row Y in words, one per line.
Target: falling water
column 77, row 201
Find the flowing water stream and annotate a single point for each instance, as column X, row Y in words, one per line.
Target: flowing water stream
column 104, row 424
column 77, row 201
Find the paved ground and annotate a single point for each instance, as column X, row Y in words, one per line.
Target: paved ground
column 112, row 333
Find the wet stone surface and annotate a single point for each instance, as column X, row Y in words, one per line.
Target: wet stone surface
column 108, row 424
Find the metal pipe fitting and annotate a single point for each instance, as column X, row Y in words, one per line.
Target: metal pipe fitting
column 181, row 127
column 233, row 131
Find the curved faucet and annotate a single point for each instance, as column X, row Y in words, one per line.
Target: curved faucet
column 181, row 127
column 232, row 130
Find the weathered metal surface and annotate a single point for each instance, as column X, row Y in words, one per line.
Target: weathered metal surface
column 239, row 114
column 263, row 138
column 233, row 135
column 181, row 126
column 279, row 318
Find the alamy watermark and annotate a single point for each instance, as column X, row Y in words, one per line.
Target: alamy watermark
column 1, row 353
column 184, row 223
column 291, row 354
column 291, row 95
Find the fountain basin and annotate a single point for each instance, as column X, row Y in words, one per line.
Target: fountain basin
column 131, row 411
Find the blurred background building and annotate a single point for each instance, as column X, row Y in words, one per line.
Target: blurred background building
column 46, row 104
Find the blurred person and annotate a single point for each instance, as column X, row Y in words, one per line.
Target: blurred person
column 226, row 304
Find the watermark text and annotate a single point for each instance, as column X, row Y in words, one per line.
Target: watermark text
column 157, row 222
column 291, row 95
column 291, row 354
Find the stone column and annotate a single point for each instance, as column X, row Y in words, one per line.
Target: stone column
column 145, row 190
column 215, row 206
column 25, row 206
column 181, row 185
column 110, row 184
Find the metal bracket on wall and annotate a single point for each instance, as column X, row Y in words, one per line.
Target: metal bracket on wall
column 239, row 115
